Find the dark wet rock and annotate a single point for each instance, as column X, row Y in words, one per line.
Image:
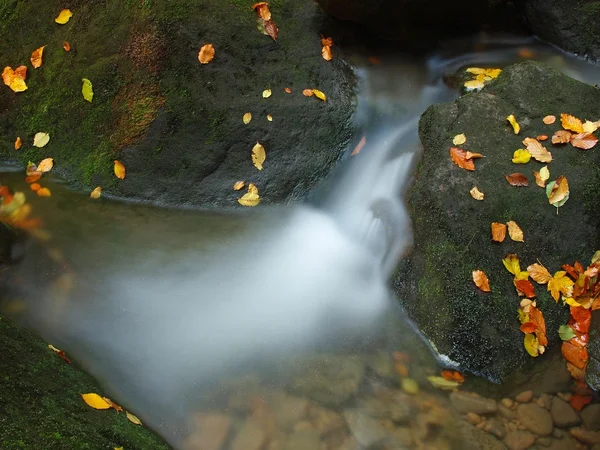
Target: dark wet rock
column 477, row 439
column 563, row 414
column 466, row 403
column 592, row 370
column 176, row 124
column 535, row 418
column 573, row 26
column 479, row 330
column 519, row 440
column 591, row 417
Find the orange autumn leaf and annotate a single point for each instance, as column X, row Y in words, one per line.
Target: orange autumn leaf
column 517, row 179
column 537, row 317
column 459, row 157
column 308, row 92
column 67, row 46
column 549, row 120
column 359, row 146
column 528, row 327
column 18, row 143
column 119, row 169
column 578, row 356
column 401, row 369
column 571, row 123
column 514, row 231
column 469, row 155
column 206, row 54
column 537, row 150
column 262, row 9
column 44, row 192
column 542, row 137
column 288, row 90
column 15, row 79
column 326, row 53
column 35, row 187
column 326, row 41
column 539, row 273
column 576, row 372
column 579, row 401
column 453, row 375
column 481, row 280
column 526, row 288
column 559, row 191
column 562, row 137
column 35, row 176
column 45, row 165
column 584, row 141
column 498, row 232
column 36, row 57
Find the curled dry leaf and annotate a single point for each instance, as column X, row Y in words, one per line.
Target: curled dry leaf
column 498, row 232
column 459, row 139
column 481, row 280
column 36, row 57
column 549, row 120
column 537, row 150
column 44, row 192
column 542, row 176
column 571, row 123
column 320, row 95
column 247, row 118
column 562, row 137
column 45, row 165
column 41, row 139
column 471, row 155
column 359, row 146
column 66, row 46
column 64, row 16
column 308, row 92
column 18, row 143
column 119, row 169
column 517, row 179
column 250, row 198
column 584, row 141
column 514, row 231
column 459, row 157
column 288, row 90
column 539, row 273
column 132, row 418
column 515, row 125
column 96, row 193
column 206, row 53
column 266, row 93
column 239, row 185
column 476, row 193
column 258, row 156
column 521, row 156
column 95, row 401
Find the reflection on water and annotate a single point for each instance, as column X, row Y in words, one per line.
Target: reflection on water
column 269, row 329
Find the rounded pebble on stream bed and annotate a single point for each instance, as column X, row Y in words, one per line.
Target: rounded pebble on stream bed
column 535, row 418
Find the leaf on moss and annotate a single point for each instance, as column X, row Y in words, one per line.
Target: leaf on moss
column 206, row 53
column 531, row 345
column 87, row 90
column 558, row 191
column 18, row 143
column 266, row 93
column 64, row 16
column 133, row 418
column 514, row 231
column 247, row 118
column 239, row 185
column 250, row 198
column 41, row 139
column 95, row 401
column 45, row 165
column 539, row 273
column 542, row 176
column 15, row 79
column 320, row 95
column 119, row 169
column 36, row 57
column 96, row 193
column 511, row 262
column 560, row 284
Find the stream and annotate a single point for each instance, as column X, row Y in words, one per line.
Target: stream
column 200, row 322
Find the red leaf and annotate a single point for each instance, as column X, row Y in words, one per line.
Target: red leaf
column 517, row 179
column 459, row 157
column 571, row 271
column 575, row 355
column 538, row 318
column 453, row 375
column 582, row 318
column 526, row 288
column 528, row 327
column 579, row 401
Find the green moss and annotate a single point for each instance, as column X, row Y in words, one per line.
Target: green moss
column 588, row 25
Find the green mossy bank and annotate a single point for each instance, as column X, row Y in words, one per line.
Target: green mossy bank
column 41, row 406
column 480, row 331
column 176, row 124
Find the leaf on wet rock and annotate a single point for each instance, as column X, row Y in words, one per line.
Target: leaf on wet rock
column 250, row 198
column 326, row 50
column 481, row 280
column 247, row 118
column 87, row 90
column 537, row 150
column 258, row 156
column 562, row 137
column 539, row 273
column 239, row 185
column 542, row 176
column 590, row 127
column 517, row 179
column 459, row 157
column 320, row 95
column 206, row 53
column 511, row 262
column 95, row 401
column 498, row 232
column 96, row 193
column 308, row 92
column 18, row 143
column 540, row 332
column 549, row 120
column 269, row 117
column 15, row 79
column 558, row 191
column 531, row 344
column 571, row 123
column 514, row 231
column 578, row 356
column 525, row 287
column 459, row 139
column 36, row 57
column 521, row 156
column 566, row 332
column 119, row 169
column 560, row 284
column 64, row 16
column 262, row 9
column 476, row 193
column 45, row 165
column 471, row 155
column 133, row 418
column 266, row 93
column 513, row 122
column 542, row 137
column 288, row 90
column 41, row 139
column 528, row 327
column 584, row 141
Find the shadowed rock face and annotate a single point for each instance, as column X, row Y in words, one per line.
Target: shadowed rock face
column 480, row 331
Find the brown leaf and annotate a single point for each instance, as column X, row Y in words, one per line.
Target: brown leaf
column 584, row 141
column 469, row 155
column 498, row 231
column 262, row 8
column 359, row 146
column 67, row 46
column 308, row 92
column 542, row 176
column 288, row 90
column 481, row 280
column 459, row 157
column 326, row 41
column 559, row 191
column 514, row 231
column 542, row 137
column 549, row 120
column 539, row 273
column 517, row 179
column 271, row 29
column 36, row 57
column 526, row 288
column 528, row 327
column 206, row 54
column 537, row 150
column 562, row 137
column 571, row 123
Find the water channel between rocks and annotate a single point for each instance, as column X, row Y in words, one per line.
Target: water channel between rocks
column 275, row 329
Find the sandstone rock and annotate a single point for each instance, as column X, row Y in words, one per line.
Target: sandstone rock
column 566, row 443
column 507, row 413
column 535, row 418
column 524, row 397
column 325, row 420
column 519, row 440
column 465, row 403
column 507, row 402
column 475, row 439
column 585, row 436
column 591, row 417
column 563, row 414
column 288, row 409
column 544, row 441
column 495, row 427
column 473, row 418
column 545, row 401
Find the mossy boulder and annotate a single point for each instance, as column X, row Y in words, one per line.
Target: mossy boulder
column 176, row 124
column 41, row 406
column 480, row 331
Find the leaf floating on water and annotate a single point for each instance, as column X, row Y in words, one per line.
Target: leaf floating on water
column 87, row 90
column 66, row 46
column 95, row 401
column 584, row 141
column 514, row 231
column 539, row 273
column 566, row 332
column 36, row 57
column 96, row 193
column 531, row 344
column 258, row 156
column 35, row 187
column 15, row 79
column 320, row 95
column 266, row 93
column 308, row 92
column 549, row 120
column 521, row 156
column 542, row 176
column 498, row 232
column 571, row 123
column 251, row 198
column 132, row 418
column 459, row 139
column 247, row 118
column 18, row 143
column 515, row 125
column 41, row 139
column 119, row 169
column 44, row 192
column 64, row 16
column 443, row 384
column 481, row 280
column 562, row 137
column 459, row 157
column 537, row 150
column 511, row 262
column 239, row 185
column 517, row 179
column 476, row 193
column 45, row 165
column 206, row 54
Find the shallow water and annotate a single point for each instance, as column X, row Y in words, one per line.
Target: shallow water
column 179, row 312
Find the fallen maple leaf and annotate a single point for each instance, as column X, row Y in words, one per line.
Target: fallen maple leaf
column 266, row 93
column 15, row 79
column 537, row 150
column 498, row 231
column 562, row 137
column 36, row 57
column 542, row 176
column 517, row 179
column 515, row 125
column 41, row 139
column 481, row 280
column 87, row 90
column 359, row 146
column 119, row 169
column 558, row 191
column 66, row 46
column 18, row 143
column 132, row 418
column 549, row 120
column 514, row 231
column 308, row 92
column 239, row 185
column 44, row 192
column 459, row 139
column 320, row 95
column 95, row 401
column 258, row 156
column 511, row 262
column 453, row 375
column 459, row 157
column 476, row 193
column 560, row 284
column 247, row 118
column 45, row 165
column 526, row 288
column 64, row 16
column 521, row 156
column 539, row 273
column 206, row 53
column 571, row 123
column 250, row 198
column 584, row 141
column 96, row 193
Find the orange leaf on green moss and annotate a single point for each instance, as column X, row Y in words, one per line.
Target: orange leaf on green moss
column 36, row 57
column 119, row 169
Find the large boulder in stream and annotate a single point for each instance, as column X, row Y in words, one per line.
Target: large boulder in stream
column 176, row 124
column 480, row 331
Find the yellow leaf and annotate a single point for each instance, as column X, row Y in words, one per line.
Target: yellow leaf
column 514, row 231
column 206, row 54
column 41, row 139
column 542, row 176
column 36, row 57
column 571, row 301
column 571, row 123
column 64, row 16
column 537, row 150
column 443, row 384
column 86, row 90
column 118, row 448
column 521, row 156
column 523, row 316
column 251, row 198
column 513, row 121
column 490, row 73
column 15, row 79
column 44, row 192
column 132, row 418
column 511, row 262
column 239, row 185
column 247, row 118
column 96, row 193
column 258, row 156
column 474, row 84
column 560, row 284
column 590, row 127
column 459, row 139
column 95, row 401
column 319, row 94
column 266, row 93
column 119, row 170
column 522, row 276
column 539, row 273
column 476, row 193
column 45, row 165
column 596, row 256
column 531, row 344
column 269, row 117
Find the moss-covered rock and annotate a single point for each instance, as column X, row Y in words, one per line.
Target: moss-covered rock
column 480, row 331
column 41, row 406
column 176, row 124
